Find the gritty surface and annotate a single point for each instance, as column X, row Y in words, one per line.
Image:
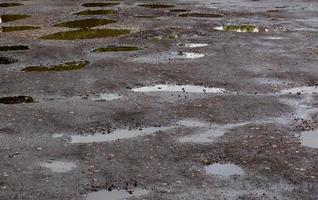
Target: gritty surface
column 265, row 99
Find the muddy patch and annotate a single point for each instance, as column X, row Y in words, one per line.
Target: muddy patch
column 156, row 6
column 10, row 18
column 59, row 166
column 224, row 170
column 86, row 34
column 101, row 4
column 203, row 15
column 116, row 49
column 17, row 28
column 179, row 88
column 309, row 139
column 4, row 5
column 242, row 28
column 85, row 23
column 116, row 194
column 16, row 100
column 14, row 48
column 69, row 66
column 7, row 60
column 95, row 12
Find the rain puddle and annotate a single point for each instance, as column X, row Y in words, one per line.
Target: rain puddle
column 116, row 49
column 7, row 60
column 154, row 5
column 193, row 123
column 59, row 166
column 10, row 4
column 179, row 10
column 309, row 139
column 204, row 15
column 57, row 135
column 225, row 170
column 193, row 45
column 105, row 97
column 179, row 88
column 96, row 12
column 106, row 4
column 116, row 135
column 242, row 28
column 85, row 23
column 10, row 18
column 16, row 100
column 14, row 48
column 306, row 90
column 86, row 34
column 167, row 57
column 116, row 194
column 70, row 66
column 17, row 28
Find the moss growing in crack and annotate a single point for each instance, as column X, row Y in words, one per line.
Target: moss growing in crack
column 10, row 18
column 207, row 15
column 85, row 23
column 116, row 49
column 96, row 12
column 101, row 4
column 179, row 10
column 10, row 4
column 17, row 28
column 16, row 100
column 146, row 16
column 7, row 60
column 14, row 48
column 69, row 66
column 155, row 5
column 86, row 34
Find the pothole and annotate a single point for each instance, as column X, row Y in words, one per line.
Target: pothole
column 242, row 28
column 309, row 138
column 7, row 60
column 59, row 166
column 14, row 48
column 85, row 23
column 16, row 100
column 155, row 5
column 101, row 4
column 116, row 194
column 203, row 15
column 17, row 28
column 10, row 18
column 86, row 34
column 179, row 88
column 95, row 12
column 116, row 135
column 224, row 170
column 10, row 4
column 116, row 49
column 69, row 66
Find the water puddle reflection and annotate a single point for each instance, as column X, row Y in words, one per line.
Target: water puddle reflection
column 225, row 170
column 179, row 88
column 116, row 194
column 165, row 57
column 59, row 166
column 105, row 97
column 242, row 28
column 193, row 45
column 309, row 139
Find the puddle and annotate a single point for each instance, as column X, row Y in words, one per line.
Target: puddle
column 307, row 90
column 154, row 5
column 14, row 48
column 107, row 4
column 165, row 57
column 85, row 23
column 59, row 166
column 10, row 18
column 193, row 45
column 95, row 12
column 242, row 28
column 7, row 60
column 116, row 135
column 16, row 100
column 57, row 135
column 17, row 28
column 203, row 15
column 309, row 139
column 179, row 10
column 105, row 97
column 69, row 66
column 179, row 88
column 86, row 34
column 116, row 194
column 189, row 55
column 10, row 4
column 116, row 49
column 193, row 123
column 225, row 170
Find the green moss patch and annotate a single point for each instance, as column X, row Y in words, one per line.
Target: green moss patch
column 17, row 28
column 10, row 18
column 86, row 34
column 207, row 15
column 16, row 100
column 69, row 66
column 10, row 4
column 85, row 23
column 107, row 4
column 179, row 10
column 14, row 48
column 96, row 12
column 116, row 49
column 155, row 5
